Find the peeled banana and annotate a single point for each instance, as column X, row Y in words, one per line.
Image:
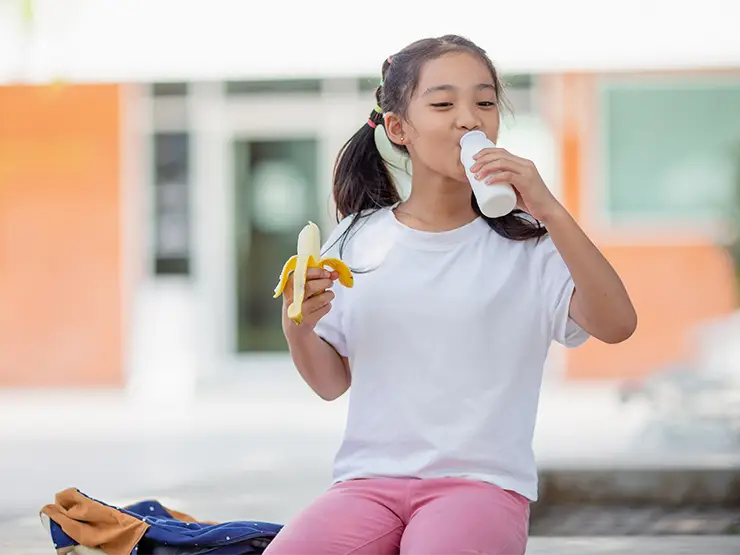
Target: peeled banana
column 309, row 256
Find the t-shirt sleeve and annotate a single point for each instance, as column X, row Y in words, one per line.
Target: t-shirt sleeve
column 557, row 288
column 331, row 328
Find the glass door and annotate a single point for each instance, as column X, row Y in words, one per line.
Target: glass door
column 276, row 194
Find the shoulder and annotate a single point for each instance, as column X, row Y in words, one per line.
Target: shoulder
column 535, row 248
column 546, row 261
column 541, row 247
column 533, row 257
column 350, row 229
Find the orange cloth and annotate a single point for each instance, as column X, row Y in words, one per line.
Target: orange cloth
column 95, row 525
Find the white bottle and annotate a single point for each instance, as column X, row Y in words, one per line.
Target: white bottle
column 494, row 200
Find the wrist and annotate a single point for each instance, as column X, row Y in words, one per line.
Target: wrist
column 296, row 333
column 554, row 214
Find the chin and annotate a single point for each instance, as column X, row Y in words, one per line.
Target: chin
column 455, row 176
column 452, row 172
column 460, row 175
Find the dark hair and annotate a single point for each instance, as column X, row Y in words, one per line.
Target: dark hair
column 362, row 182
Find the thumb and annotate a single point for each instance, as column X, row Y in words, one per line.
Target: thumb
column 288, row 292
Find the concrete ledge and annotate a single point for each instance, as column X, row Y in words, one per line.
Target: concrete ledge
column 666, row 545
column 663, row 486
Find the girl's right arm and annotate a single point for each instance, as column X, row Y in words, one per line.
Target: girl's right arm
column 323, row 369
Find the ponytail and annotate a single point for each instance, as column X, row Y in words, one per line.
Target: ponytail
column 362, row 183
column 361, row 179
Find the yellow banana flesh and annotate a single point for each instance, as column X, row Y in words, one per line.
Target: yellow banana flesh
column 309, row 252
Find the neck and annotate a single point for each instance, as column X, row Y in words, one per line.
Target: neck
column 436, row 204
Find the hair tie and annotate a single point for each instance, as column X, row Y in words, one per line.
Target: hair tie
column 371, row 123
column 378, row 109
column 389, row 59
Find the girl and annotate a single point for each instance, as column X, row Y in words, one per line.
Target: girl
column 444, row 335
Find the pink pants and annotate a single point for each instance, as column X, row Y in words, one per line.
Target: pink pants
column 389, row 516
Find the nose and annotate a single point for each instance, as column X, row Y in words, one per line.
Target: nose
column 468, row 119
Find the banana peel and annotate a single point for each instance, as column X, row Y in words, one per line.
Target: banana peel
column 308, row 256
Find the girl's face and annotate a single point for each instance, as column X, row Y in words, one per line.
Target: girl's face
column 456, row 94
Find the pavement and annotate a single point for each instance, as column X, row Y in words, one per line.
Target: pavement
column 261, row 448
column 29, row 539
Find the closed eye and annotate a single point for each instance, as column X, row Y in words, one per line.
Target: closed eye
column 483, row 104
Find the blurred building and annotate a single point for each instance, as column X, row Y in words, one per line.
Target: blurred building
column 148, row 202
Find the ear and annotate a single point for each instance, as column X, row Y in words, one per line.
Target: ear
column 394, row 128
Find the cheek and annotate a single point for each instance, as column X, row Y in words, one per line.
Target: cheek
column 433, row 148
column 438, row 151
column 493, row 133
column 492, row 126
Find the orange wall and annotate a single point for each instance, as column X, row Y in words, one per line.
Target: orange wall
column 60, row 255
column 674, row 286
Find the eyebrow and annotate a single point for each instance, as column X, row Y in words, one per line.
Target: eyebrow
column 438, row 88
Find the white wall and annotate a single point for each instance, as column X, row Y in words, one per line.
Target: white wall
column 150, row 40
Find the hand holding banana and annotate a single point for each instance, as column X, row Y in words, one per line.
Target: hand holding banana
column 308, row 297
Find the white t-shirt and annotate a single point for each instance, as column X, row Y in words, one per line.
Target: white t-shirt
column 446, row 335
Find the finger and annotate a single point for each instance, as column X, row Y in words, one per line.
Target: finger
column 497, row 152
column 487, row 151
column 503, row 177
column 318, row 314
column 316, row 273
column 496, row 161
column 488, row 154
column 288, row 291
column 329, row 274
column 315, row 303
column 497, row 168
column 494, row 166
column 315, row 286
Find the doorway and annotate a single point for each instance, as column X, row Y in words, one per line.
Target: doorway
column 276, row 194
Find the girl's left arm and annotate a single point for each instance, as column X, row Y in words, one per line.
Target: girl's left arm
column 600, row 303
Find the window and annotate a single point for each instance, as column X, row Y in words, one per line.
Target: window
column 169, row 89
column 171, row 200
column 368, row 84
column 281, row 86
column 671, row 149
